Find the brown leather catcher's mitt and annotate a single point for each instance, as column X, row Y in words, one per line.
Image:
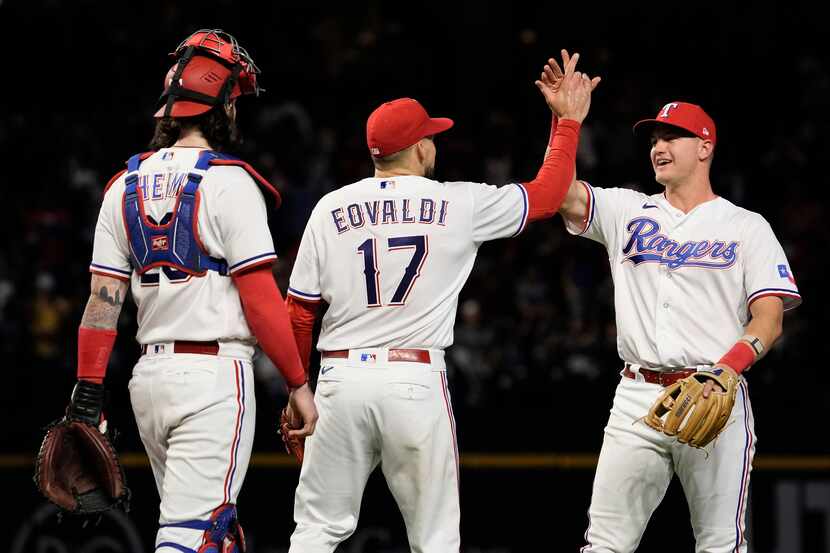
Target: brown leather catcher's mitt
column 682, row 411
column 78, row 470
column 293, row 445
column 77, row 467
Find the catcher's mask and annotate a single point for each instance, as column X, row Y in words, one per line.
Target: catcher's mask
column 211, row 69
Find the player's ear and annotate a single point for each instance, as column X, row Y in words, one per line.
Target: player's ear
column 705, row 150
column 421, row 151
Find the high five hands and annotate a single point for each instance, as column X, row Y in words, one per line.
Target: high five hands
column 568, row 92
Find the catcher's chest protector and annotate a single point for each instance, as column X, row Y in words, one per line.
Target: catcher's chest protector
column 174, row 241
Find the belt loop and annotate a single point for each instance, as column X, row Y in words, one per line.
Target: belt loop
column 632, row 371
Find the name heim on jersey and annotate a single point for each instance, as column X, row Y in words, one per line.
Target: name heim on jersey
column 647, row 245
column 425, row 211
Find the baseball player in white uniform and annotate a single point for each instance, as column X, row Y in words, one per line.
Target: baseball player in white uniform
column 700, row 283
column 390, row 254
column 185, row 226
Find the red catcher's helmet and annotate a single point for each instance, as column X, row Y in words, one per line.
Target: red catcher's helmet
column 211, row 69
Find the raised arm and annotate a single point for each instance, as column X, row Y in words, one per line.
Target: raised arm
column 569, row 102
column 574, row 204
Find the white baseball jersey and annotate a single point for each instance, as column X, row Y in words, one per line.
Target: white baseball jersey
column 232, row 226
column 390, row 256
column 683, row 282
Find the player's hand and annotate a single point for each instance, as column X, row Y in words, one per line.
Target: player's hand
column 87, row 402
column 712, row 385
column 302, row 411
column 568, row 92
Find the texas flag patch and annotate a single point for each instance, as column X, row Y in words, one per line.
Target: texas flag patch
column 784, row 272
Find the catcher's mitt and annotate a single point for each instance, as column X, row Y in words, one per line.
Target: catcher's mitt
column 77, row 467
column 695, row 420
column 78, row 470
column 293, row 445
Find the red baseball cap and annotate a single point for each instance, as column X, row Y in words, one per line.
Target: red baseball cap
column 689, row 117
column 399, row 124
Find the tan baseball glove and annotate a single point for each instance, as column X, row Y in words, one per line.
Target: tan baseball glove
column 682, row 411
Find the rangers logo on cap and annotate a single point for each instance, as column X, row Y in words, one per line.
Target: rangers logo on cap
column 686, row 116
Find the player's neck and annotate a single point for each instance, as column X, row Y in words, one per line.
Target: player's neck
column 396, row 172
column 689, row 194
column 192, row 138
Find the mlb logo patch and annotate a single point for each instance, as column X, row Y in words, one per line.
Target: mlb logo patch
column 387, row 185
column 159, row 243
column 783, row 272
column 167, row 156
column 368, row 357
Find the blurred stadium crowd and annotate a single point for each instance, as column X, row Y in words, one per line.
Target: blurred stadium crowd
column 535, row 336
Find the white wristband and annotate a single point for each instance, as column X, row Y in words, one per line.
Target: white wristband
column 755, row 343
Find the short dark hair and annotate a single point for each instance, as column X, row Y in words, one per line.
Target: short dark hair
column 215, row 125
column 391, row 160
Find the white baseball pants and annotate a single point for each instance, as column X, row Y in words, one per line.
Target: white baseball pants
column 637, row 463
column 195, row 415
column 398, row 415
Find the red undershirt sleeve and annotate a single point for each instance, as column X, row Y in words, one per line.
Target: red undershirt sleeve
column 547, row 191
column 268, row 318
column 303, row 314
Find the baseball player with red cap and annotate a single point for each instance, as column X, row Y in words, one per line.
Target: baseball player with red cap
column 185, row 227
column 700, row 285
column 389, row 254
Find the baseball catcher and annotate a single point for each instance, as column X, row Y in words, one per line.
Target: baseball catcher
column 693, row 413
column 77, row 468
column 195, row 252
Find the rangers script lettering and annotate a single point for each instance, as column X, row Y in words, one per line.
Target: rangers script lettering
column 649, row 246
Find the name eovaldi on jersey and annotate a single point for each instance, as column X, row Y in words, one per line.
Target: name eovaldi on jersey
column 384, row 212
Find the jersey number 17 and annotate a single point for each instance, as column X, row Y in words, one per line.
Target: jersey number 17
column 368, row 249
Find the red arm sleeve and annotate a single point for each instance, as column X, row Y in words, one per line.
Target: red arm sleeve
column 546, row 192
column 268, row 319
column 302, row 314
column 94, row 350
